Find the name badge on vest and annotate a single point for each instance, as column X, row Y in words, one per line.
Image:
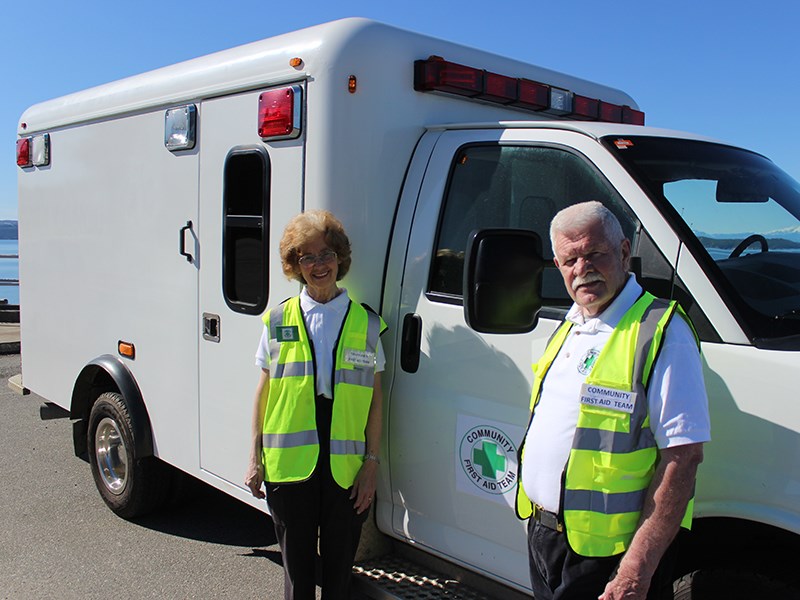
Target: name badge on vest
column 359, row 358
column 288, row 333
column 605, row 397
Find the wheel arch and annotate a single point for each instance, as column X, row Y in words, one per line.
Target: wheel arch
column 719, row 542
column 107, row 373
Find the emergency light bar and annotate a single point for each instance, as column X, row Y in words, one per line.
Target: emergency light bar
column 438, row 75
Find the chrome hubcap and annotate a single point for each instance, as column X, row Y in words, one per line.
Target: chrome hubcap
column 112, row 459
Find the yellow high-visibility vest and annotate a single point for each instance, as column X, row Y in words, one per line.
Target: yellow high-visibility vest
column 290, row 445
column 614, row 453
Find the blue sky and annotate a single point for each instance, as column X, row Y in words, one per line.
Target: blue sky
column 726, row 69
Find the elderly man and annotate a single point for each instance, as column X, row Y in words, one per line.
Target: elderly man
column 618, row 419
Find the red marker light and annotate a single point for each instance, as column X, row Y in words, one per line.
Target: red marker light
column 533, row 95
column 610, row 113
column 279, row 113
column 499, row 88
column 585, row 108
column 436, row 74
column 24, row 158
column 631, row 116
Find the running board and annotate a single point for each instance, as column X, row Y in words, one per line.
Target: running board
column 410, row 574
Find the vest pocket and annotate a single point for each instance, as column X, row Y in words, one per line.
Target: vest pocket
column 605, row 419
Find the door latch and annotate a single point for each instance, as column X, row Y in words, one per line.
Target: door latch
column 211, row 327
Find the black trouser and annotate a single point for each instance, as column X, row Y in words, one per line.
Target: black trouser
column 558, row 573
column 314, row 508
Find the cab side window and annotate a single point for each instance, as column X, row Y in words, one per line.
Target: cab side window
column 520, row 187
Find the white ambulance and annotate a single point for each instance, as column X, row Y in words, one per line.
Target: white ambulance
column 150, row 214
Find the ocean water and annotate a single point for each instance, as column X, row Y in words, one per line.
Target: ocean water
column 9, row 269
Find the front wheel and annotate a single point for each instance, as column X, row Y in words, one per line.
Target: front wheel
column 131, row 486
column 713, row 584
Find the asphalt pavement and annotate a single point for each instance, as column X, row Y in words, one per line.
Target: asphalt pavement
column 59, row 540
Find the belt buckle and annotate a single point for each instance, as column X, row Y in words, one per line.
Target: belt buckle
column 548, row 519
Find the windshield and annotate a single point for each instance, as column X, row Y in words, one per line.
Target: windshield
column 739, row 214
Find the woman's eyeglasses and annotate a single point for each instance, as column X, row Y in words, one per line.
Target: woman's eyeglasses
column 323, row 258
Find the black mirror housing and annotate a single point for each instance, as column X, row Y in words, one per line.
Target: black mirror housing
column 503, row 280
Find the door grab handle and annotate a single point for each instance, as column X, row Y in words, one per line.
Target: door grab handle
column 182, row 247
column 411, row 339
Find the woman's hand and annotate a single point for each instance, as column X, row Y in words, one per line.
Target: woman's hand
column 363, row 490
column 254, row 478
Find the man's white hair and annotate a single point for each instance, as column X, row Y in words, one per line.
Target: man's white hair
column 582, row 216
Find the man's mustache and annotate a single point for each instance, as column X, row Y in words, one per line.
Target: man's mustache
column 589, row 278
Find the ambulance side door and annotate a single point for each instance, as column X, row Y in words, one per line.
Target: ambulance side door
column 458, row 400
column 249, row 188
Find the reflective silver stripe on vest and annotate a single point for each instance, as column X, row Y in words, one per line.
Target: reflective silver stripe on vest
column 275, row 319
column 611, row 441
column 364, row 376
column 289, row 440
column 373, row 330
column 647, row 331
column 348, row 447
column 296, row 369
column 608, row 504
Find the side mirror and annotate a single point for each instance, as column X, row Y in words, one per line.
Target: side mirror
column 503, row 280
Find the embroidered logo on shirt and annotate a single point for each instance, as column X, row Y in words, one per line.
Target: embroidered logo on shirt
column 586, row 364
column 287, row 334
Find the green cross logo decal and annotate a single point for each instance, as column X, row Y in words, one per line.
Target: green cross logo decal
column 489, row 458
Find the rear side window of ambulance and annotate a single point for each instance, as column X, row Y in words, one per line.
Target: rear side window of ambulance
column 245, row 236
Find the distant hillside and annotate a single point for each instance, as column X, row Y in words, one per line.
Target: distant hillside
column 8, row 230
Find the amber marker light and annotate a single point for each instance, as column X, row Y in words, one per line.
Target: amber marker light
column 352, row 83
column 296, row 62
column 126, row 349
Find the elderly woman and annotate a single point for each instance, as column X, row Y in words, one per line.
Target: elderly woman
column 317, row 413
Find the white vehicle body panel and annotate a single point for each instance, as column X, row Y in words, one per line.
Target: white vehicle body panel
column 91, row 230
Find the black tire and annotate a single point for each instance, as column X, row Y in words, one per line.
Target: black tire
column 725, row 584
column 131, row 486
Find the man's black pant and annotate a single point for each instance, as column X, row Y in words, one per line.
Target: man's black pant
column 314, row 508
column 558, row 573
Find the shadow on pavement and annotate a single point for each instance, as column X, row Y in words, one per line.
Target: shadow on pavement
column 208, row 515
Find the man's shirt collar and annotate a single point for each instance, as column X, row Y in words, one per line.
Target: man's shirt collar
column 608, row 319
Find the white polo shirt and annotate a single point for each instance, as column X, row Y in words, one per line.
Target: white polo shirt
column 323, row 323
column 676, row 395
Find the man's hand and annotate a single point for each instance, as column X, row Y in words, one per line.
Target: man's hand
column 623, row 588
column 664, row 506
